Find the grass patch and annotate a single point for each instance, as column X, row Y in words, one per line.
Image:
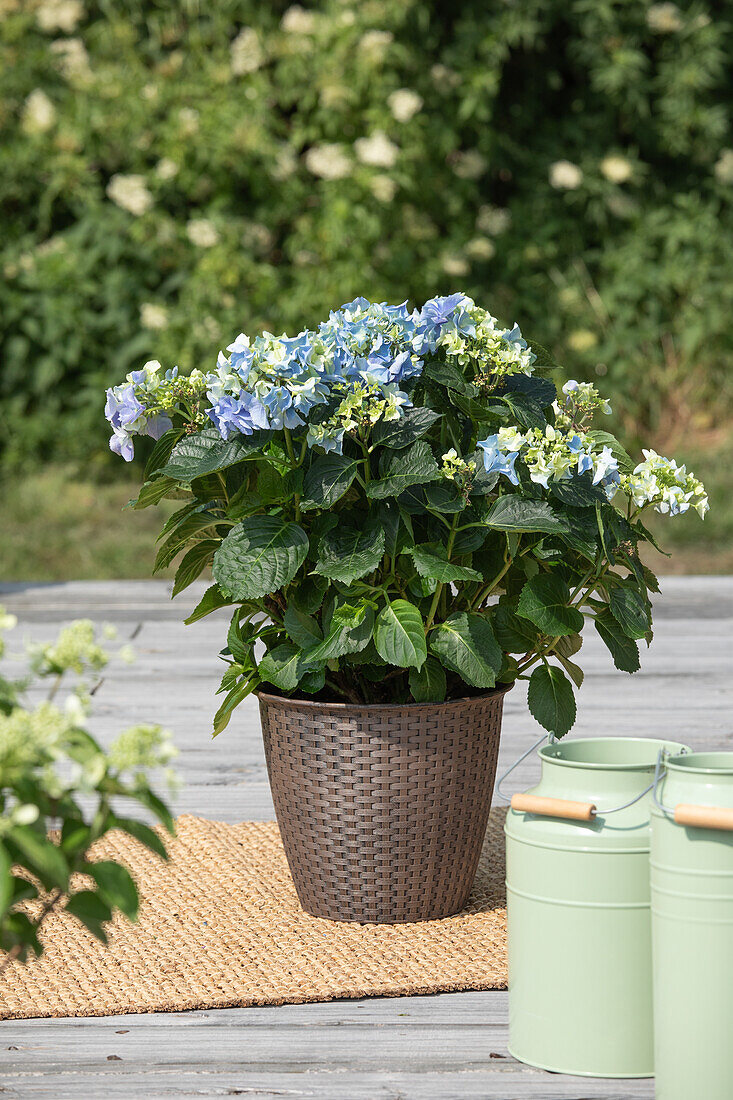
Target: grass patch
column 60, row 525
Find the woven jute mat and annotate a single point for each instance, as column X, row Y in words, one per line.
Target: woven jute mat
column 220, row 926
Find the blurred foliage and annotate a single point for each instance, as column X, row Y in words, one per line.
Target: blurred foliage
column 176, row 173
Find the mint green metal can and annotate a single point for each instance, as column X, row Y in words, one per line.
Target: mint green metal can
column 692, row 927
column 580, row 982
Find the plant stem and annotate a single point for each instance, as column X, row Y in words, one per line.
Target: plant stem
column 439, row 589
column 295, row 464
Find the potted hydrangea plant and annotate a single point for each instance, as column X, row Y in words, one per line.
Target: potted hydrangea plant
column 406, row 519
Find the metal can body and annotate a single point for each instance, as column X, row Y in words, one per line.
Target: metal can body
column 692, row 933
column 580, row 998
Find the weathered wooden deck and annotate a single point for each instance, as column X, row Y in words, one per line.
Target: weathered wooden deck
column 445, row 1047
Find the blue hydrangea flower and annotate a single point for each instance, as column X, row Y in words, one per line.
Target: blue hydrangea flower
column 496, row 461
column 243, row 414
column 278, row 402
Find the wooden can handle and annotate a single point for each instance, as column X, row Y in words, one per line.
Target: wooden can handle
column 553, row 807
column 704, row 817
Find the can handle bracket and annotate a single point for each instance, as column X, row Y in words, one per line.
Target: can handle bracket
column 553, row 807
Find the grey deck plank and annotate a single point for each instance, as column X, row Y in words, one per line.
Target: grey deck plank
column 413, row 1048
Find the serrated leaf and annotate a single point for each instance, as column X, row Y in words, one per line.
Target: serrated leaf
column 162, row 450
column 578, row 491
column 623, row 650
column 428, row 684
column 514, row 634
column 328, row 479
column 544, row 601
column 399, row 635
column 568, row 644
column 448, row 376
column 309, row 595
column 302, row 628
column 205, row 452
column 630, row 610
column 512, row 513
column 574, row 671
column 152, row 492
column 349, row 631
column 259, row 556
column 141, row 832
column 231, row 702
column 115, row 886
column 402, row 469
column 466, row 644
column 194, row 524
column 401, row 433
column 347, row 553
column 430, row 562
column 281, row 666
column 541, row 390
column 40, row 855
column 193, row 564
column 551, row 700
column 212, row 599
column 88, row 907
column 525, row 410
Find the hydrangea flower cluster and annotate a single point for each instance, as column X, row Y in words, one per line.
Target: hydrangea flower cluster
column 665, row 485
column 581, row 401
column 358, row 364
column 550, row 455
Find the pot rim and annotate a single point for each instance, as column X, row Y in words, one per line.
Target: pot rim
column 545, row 753
column 315, row 704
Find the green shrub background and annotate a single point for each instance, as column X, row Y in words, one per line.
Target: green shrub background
column 174, row 173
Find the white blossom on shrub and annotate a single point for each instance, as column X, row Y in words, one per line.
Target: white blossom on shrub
column 39, row 113
column 247, row 55
column 565, row 176
column 131, row 193
column 202, row 232
column 404, row 104
column 616, row 168
column 329, row 161
column 376, row 150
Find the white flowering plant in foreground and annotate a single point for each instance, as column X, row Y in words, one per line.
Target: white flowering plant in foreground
column 53, row 774
column 398, row 506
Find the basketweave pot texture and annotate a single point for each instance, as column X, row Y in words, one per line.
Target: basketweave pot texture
column 382, row 809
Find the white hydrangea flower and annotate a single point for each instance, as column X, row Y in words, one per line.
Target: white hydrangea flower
column 246, row 52
column 39, row 113
column 329, row 161
column 62, row 15
column 669, row 488
column 202, row 232
column 383, row 187
column 565, row 176
column 153, row 316
column 455, row 265
column 297, row 20
column 188, row 119
column 724, row 167
column 664, row 18
column 493, row 220
column 374, row 44
column 480, row 248
column 444, row 78
column 166, row 169
column 616, row 168
column 131, row 193
column 73, row 58
column 469, row 165
column 404, row 104
column 376, row 150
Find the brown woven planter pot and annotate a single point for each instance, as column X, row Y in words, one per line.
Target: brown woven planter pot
column 382, row 809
